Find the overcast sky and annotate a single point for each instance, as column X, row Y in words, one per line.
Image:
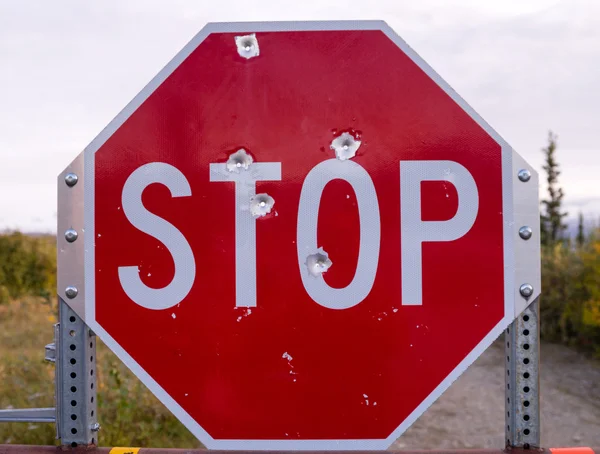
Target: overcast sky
column 68, row 67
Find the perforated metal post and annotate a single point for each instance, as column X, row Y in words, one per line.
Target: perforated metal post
column 522, row 380
column 76, row 421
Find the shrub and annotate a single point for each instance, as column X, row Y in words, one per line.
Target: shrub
column 27, row 266
column 570, row 301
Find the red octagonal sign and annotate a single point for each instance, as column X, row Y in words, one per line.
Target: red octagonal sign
column 298, row 235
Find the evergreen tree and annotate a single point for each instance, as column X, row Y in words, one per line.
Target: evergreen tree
column 580, row 231
column 552, row 226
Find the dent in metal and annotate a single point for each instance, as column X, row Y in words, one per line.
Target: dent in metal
column 345, row 146
column 239, row 160
column 318, row 263
column 261, row 205
column 247, row 46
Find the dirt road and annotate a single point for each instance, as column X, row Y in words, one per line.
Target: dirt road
column 471, row 412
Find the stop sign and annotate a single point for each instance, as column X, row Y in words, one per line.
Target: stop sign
column 298, row 235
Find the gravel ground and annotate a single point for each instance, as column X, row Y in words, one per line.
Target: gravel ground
column 470, row 414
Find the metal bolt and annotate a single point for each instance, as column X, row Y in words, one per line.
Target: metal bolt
column 524, row 175
column 71, row 235
column 71, row 292
column 525, row 232
column 71, row 179
column 526, row 290
column 95, row 427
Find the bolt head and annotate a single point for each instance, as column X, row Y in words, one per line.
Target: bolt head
column 71, row 292
column 526, row 290
column 525, row 232
column 71, row 235
column 71, row 179
column 524, row 175
column 95, row 427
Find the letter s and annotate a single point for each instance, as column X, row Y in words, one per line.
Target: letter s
column 166, row 233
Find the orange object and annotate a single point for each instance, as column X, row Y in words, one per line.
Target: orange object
column 571, row 450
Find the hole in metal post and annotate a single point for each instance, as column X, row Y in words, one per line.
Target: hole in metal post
column 525, row 332
column 526, row 417
column 526, row 389
column 72, row 319
column 73, row 417
column 72, row 333
column 526, row 375
column 526, row 446
column 73, row 389
column 73, row 431
column 73, row 445
column 526, row 403
column 92, row 372
column 526, row 361
column 73, row 361
column 526, row 346
column 73, row 347
column 73, row 375
column 92, row 414
column 73, row 403
column 526, row 318
column 526, row 431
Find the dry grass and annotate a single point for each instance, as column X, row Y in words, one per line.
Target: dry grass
column 129, row 414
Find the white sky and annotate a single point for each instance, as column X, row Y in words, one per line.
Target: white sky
column 68, row 67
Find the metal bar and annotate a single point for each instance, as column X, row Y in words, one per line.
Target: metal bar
column 75, row 380
column 31, row 449
column 28, row 415
column 523, row 380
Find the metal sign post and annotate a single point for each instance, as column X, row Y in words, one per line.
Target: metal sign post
column 523, row 380
column 76, row 403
